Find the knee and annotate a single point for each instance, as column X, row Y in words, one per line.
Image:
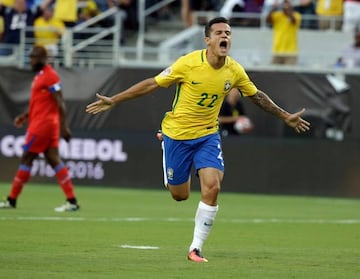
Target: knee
column 180, row 192
column 213, row 189
column 180, row 197
column 210, row 194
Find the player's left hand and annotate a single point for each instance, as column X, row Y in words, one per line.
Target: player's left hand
column 295, row 121
column 66, row 133
column 103, row 103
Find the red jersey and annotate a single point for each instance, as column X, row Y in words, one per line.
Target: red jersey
column 44, row 119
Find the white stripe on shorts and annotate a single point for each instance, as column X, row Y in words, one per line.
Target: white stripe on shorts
column 164, row 165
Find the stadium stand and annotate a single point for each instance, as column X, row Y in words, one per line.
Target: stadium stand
column 158, row 41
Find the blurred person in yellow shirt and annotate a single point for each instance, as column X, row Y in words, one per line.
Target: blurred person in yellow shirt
column 327, row 10
column 88, row 10
column 286, row 24
column 16, row 19
column 8, row 3
column 48, row 31
column 66, row 11
column 1, row 27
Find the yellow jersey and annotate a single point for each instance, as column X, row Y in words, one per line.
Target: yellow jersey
column 90, row 9
column 66, row 10
column 329, row 7
column 1, row 24
column 200, row 91
column 8, row 3
column 285, row 33
column 48, row 32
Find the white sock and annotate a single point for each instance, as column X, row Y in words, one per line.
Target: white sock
column 204, row 218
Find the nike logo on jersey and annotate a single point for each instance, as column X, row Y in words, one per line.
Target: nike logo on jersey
column 195, row 82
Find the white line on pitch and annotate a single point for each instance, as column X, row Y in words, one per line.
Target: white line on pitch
column 141, row 219
column 126, row 246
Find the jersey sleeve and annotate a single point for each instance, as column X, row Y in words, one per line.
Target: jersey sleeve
column 244, row 84
column 173, row 74
column 53, row 82
column 297, row 19
column 275, row 15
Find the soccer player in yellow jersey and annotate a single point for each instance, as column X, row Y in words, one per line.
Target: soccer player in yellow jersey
column 190, row 129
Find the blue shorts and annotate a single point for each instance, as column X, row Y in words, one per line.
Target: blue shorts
column 180, row 155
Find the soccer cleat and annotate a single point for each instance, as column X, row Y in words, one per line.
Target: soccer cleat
column 67, row 207
column 195, row 256
column 6, row 204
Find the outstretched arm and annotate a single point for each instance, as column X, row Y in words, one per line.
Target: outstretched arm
column 293, row 120
column 139, row 89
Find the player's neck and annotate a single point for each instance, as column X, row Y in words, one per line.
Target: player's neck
column 215, row 61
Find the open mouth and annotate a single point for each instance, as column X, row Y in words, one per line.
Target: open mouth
column 223, row 45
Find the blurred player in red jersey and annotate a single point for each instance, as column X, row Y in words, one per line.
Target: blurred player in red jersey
column 46, row 115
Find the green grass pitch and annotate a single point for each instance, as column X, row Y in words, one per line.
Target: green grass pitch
column 125, row 233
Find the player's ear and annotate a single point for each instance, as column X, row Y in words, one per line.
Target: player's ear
column 207, row 40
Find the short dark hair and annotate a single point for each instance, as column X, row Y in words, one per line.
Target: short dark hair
column 39, row 52
column 214, row 21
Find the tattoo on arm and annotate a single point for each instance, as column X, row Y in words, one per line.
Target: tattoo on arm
column 264, row 102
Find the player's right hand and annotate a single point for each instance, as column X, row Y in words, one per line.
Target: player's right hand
column 103, row 103
column 19, row 120
column 295, row 121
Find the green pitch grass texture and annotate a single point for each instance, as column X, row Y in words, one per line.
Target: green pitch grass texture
column 124, row 233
